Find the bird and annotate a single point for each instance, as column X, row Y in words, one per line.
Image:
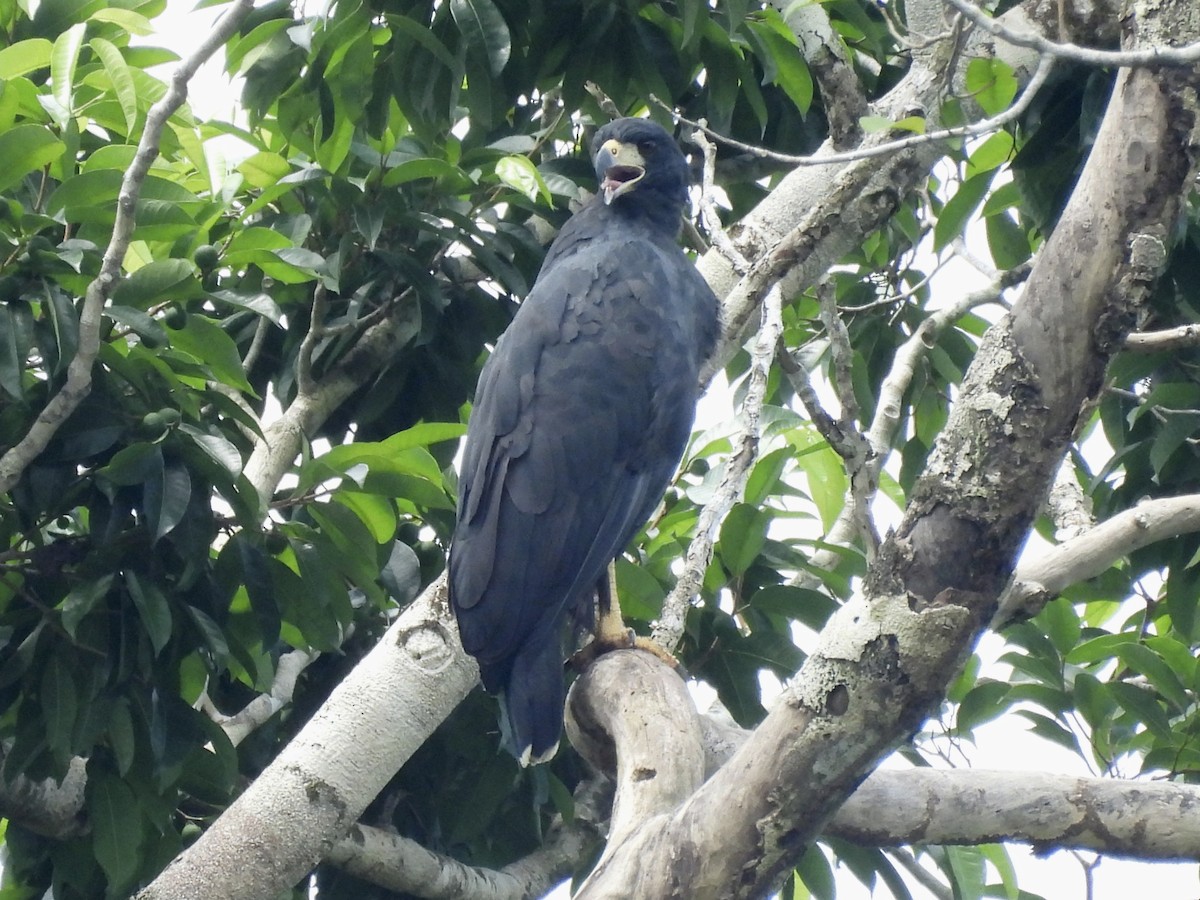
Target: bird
column 581, row 415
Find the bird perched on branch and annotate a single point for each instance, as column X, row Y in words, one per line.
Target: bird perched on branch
column 580, row 418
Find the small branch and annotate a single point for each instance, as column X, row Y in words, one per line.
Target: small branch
column 1038, row 580
column 668, row 629
column 254, row 714
column 1150, row 56
column 889, row 409
column 404, row 866
column 46, row 807
column 1069, row 508
column 1182, row 338
column 316, row 329
column 927, row 879
column 984, row 126
column 708, row 209
column 79, row 373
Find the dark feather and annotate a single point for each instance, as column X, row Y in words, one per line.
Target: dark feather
column 580, row 418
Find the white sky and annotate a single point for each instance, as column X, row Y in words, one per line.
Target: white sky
column 1000, row 745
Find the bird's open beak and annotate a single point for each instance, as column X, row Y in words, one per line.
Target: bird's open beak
column 622, row 167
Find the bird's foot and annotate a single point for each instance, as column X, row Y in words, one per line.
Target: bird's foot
column 605, row 641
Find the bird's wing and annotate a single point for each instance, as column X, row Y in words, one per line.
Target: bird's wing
column 580, row 417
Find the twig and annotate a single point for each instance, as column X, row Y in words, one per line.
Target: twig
column 913, row 867
column 1151, row 56
column 840, row 352
column 668, row 629
column 889, row 409
column 984, row 126
column 708, row 209
column 79, row 374
column 305, row 383
column 1181, row 338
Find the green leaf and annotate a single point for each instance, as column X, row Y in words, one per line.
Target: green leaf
column 1142, row 704
column 24, row 57
column 484, row 29
column 816, row 873
column 122, row 79
column 743, row 534
column 1007, row 241
column 63, row 59
column 827, row 482
column 374, row 511
column 12, row 358
column 640, row 593
column 968, row 868
column 1145, row 661
column 958, row 209
column 81, row 600
column 216, row 448
column 153, row 608
column 804, row 605
column 116, row 829
column 25, row 149
column 256, row 575
column 165, row 499
column 401, row 576
column 66, row 325
column 992, row 83
column 521, row 175
column 60, row 705
column 414, row 169
column 213, row 348
column 991, row 154
column 153, row 283
column 121, row 736
column 983, row 703
column 130, row 21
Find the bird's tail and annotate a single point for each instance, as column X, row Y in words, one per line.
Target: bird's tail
column 532, row 702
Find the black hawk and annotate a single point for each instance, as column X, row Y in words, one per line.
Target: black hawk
column 580, row 418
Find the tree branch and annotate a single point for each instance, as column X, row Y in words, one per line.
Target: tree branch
column 884, row 659
column 1181, row 338
column 1043, row 578
column 1157, row 55
column 668, row 629
column 404, row 866
column 79, row 373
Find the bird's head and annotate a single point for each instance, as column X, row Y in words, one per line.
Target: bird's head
column 639, row 164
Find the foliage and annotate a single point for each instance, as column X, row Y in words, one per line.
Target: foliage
column 399, row 165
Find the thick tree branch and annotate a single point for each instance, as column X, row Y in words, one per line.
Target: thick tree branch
column 884, row 659
column 1139, row 819
column 319, row 785
column 79, row 373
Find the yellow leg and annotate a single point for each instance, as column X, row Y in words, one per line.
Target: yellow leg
column 612, row 633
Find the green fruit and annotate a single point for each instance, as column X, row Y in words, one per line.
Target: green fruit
column 171, row 417
column 207, row 256
column 210, row 281
column 154, row 422
column 275, row 542
column 699, row 467
column 175, row 316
